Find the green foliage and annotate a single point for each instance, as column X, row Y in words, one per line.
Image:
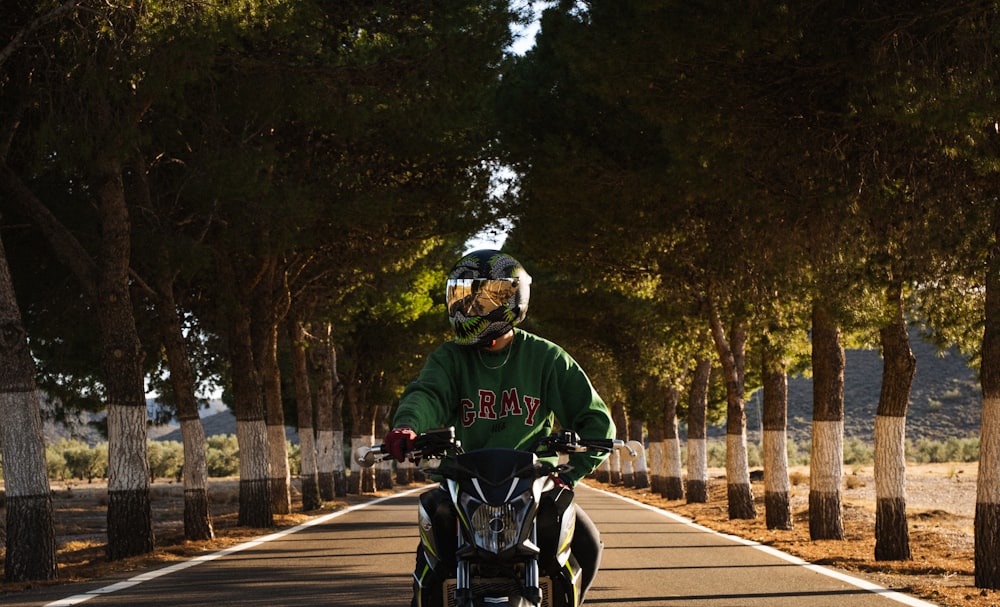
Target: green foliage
column 55, row 464
column 80, row 460
column 223, row 455
column 857, row 451
column 166, row 459
column 924, row 451
column 664, row 150
column 798, row 454
column 294, row 458
column 68, row 459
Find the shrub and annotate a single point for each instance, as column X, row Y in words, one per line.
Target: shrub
column 223, row 455
column 294, row 459
column 856, row 451
column 927, row 451
column 166, row 459
column 84, row 462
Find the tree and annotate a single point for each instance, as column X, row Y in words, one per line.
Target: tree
column 696, row 488
column 774, row 376
column 308, row 473
column 329, row 414
column 251, row 432
column 892, row 537
column 987, row 523
column 30, row 532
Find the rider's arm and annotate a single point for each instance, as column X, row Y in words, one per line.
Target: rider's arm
column 581, row 409
column 423, row 405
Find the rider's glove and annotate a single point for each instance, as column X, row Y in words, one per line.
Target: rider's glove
column 399, row 441
column 561, row 482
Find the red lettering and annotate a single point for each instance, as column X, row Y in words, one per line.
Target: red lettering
column 531, row 403
column 509, row 403
column 468, row 412
column 487, row 400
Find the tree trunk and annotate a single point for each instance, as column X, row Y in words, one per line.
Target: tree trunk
column 673, row 485
column 656, row 466
column 826, row 519
column 30, row 531
column 892, row 535
column 329, row 418
column 987, row 522
column 777, row 506
column 337, row 425
column 197, row 515
column 279, row 474
column 304, row 415
column 268, row 308
column 640, row 475
column 383, row 470
column 404, row 472
column 361, row 480
column 618, row 467
column 732, row 352
column 251, row 432
column 106, row 282
column 130, row 522
column 603, row 471
column 697, row 455
column 59, row 238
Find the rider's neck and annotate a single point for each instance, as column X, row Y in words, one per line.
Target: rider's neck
column 501, row 342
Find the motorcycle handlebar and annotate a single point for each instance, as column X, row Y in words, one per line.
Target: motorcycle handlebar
column 369, row 456
column 438, row 443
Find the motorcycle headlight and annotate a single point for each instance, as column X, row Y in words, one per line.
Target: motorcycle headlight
column 497, row 528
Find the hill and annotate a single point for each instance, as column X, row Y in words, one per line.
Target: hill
column 945, row 402
column 223, row 422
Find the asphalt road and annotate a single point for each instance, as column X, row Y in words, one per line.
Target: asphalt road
column 364, row 557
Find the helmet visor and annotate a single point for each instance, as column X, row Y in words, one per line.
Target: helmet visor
column 479, row 296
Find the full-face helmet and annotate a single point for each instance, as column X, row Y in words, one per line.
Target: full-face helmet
column 487, row 295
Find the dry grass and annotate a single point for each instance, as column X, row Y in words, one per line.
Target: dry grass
column 941, row 502
column 80, row 512
column 941, row 508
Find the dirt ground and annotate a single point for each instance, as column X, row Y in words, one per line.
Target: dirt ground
column 941, row 503
column 940, row 498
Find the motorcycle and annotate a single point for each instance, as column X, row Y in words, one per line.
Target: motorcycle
column 515, row 522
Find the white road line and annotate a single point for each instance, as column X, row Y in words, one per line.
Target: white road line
column 152, row 575
column 858, row 582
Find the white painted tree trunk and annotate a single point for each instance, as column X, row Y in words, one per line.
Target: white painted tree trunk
column 325, row 462
column 279, row 474
column 673, row 473
column 697, row 484
column 776, row 484
column 640, row 473
column 255, row 502
column 656, row 468
column 826, row 473
column 339, row 467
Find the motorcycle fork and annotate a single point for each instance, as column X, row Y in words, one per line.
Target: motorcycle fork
column 463, row 577
column 531, row 584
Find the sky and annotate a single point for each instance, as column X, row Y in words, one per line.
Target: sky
column 493, row 237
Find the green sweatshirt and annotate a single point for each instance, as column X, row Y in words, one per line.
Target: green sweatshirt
column 507, row 398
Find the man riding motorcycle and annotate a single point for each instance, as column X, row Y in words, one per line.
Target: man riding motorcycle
column 499, row 386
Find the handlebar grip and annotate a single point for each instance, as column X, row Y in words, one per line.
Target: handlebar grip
column 599, row 444
column 369, row 456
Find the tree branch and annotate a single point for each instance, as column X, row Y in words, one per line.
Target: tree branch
column 66, row 247
column 37, row 23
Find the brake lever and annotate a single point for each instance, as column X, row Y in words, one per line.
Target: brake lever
column 620, row 444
